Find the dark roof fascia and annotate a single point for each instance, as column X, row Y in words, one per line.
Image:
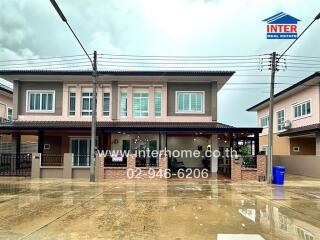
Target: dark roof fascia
column 7, row 90
column 219, row 129
column 118, row 73
column 316, row 74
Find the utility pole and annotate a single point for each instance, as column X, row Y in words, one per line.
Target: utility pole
column 94, row 118
column 270, row 134
column 94, row 92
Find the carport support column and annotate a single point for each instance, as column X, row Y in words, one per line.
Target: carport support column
column 214, row 149
column 40, row 141
column 163, row 141
column 35, row 165
column 318, row 144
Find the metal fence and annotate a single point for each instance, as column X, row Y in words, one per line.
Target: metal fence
column 15, row 164
column 51, row 160
column 109, row 162
column 81, row 160
column 147, row 162
column 249, row 162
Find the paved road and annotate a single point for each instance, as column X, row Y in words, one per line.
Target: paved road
column 159, row 209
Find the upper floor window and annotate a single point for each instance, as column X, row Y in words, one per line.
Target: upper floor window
column 86, row 103
column 9, row 114
column 123, row 104
column 264, row 121
column 72, row 102
column 190, row 102
column 40, row 101
column 302, row 109
column 140, row 104
column 157, row 103
column 280, row 120
column 106, row 104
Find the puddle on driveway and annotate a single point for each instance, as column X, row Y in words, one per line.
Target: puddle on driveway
column 172, row 209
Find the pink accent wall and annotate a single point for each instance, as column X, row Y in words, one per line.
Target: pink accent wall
column 311, row 93
column 130, row 89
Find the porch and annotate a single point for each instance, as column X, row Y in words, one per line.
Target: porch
column 57, row 141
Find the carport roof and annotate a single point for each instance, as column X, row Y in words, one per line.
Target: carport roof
column 122, row 125
column 309, row 129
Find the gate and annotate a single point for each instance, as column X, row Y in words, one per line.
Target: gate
column 18, row 165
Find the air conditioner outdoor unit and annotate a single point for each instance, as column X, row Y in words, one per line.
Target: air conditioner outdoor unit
column 287, row 124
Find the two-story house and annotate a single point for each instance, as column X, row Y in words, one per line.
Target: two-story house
column 296, row 119
column 175, row 110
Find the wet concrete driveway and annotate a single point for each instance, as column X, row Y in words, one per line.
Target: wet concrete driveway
column 158, row 209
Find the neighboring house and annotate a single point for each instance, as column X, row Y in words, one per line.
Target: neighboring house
column 296, row 119
column 176, row 110
column 6, row 113
column 5, row 103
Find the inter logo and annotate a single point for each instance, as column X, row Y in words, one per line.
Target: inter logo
column 282, row 26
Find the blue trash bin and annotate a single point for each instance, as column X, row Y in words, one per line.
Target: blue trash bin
column 278, row 174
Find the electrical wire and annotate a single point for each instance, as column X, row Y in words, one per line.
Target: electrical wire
column 34, row 59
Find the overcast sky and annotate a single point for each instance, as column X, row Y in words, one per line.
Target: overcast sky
column 31, row 29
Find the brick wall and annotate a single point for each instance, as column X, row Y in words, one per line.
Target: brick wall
column 262, row 167
column 235, row 169
column 99, row 168
column 121, row 172
column 115, row 172
column 249, row 174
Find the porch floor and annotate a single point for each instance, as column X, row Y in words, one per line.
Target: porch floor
column 158, row 209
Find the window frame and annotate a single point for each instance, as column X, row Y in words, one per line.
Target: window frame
column 155, row 113
column 190, row 112
column 90, row 102
column 298, row 104
column 41, row 92
column 133, row 99
column 10, row 108
column 284, row 120
column 72, row 90
column 120, row 102
column 266, row 126
column 103, row 105
column 262, row 147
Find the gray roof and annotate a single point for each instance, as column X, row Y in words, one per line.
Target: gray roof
column 119, row 72
column 290, row 90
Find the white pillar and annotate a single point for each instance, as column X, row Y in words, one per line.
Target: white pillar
column 214, row 147
column 318, row 144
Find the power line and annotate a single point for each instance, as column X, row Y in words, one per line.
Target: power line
column 31, row 59
column 69, row 61
column 182, row 59
column 148, row 66
column 179, row 56
column 195, row 63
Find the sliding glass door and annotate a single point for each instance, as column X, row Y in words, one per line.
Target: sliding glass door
column 80, row 147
